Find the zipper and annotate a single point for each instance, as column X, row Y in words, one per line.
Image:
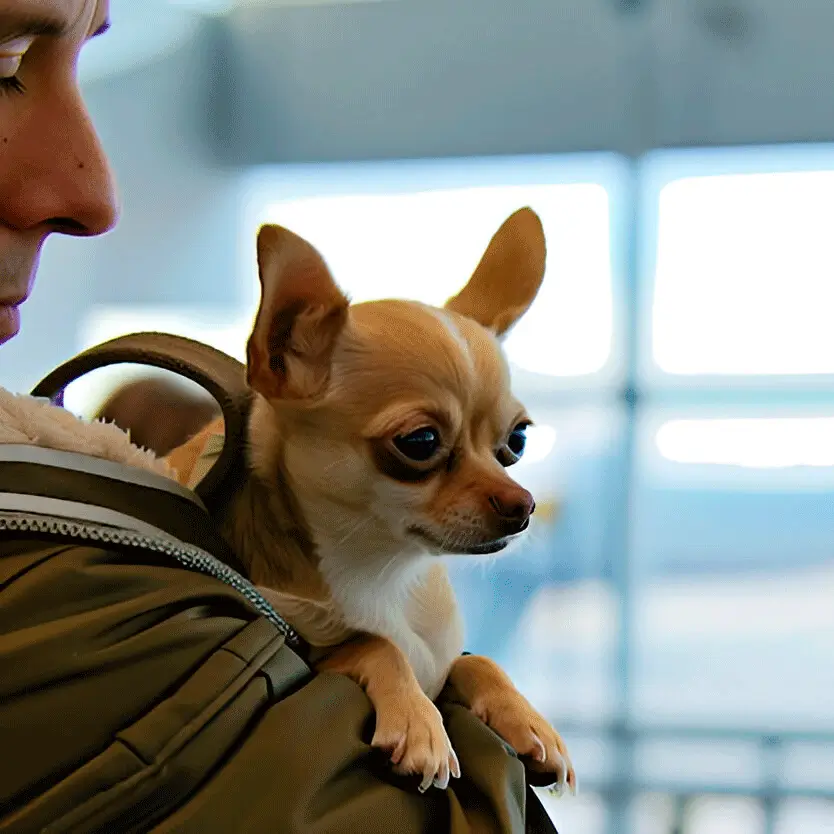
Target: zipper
column 190, row 557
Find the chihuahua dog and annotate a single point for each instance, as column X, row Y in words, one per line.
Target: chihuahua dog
column 379, row 439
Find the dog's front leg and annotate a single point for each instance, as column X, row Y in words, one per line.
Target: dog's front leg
column 482, row 686
column 409, row 726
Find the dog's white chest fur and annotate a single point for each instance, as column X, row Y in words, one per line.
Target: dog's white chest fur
column 412, row 605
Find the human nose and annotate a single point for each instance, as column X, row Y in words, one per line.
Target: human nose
column 65, row 183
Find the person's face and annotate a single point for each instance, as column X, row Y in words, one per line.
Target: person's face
column 53, row 173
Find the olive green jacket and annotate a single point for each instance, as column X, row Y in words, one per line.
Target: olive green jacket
column 146, row 686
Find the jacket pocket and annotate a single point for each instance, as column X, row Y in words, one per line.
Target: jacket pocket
column 153, row 765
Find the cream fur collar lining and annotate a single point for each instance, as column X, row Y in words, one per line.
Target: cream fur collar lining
column 32, row 422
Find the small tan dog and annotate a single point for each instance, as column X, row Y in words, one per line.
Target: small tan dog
column 379, row 439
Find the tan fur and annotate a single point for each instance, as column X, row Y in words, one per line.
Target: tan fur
column 409, row 726
column 341, row 528
column 480, row 684
column 184, row 458
column 517, row 248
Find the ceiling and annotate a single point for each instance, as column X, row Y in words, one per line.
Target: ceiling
column 314, row 80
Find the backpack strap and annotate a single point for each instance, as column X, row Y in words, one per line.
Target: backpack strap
column 219, row 374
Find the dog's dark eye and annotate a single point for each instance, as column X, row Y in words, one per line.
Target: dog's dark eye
column 421, row 445
column 518, row 440
column 514, row 448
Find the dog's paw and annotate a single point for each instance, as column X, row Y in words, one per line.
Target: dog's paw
column 413, row 735
column 512, row 717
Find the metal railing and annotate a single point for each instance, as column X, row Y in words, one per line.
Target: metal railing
column 620, row 788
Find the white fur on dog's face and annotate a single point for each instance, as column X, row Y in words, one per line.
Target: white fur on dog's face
column 398, row 367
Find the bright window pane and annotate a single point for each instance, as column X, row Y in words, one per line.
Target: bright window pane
column 805, row 816
column 810, row 765
column 425, row 245
column 717, row 651
column 724, row 815
column 734, row 575
column 761, row 443
column 706, row 762
column 744, row 279
column 652, row 813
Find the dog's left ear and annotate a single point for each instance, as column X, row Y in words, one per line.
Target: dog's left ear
column 302, row 313
column 507, row 279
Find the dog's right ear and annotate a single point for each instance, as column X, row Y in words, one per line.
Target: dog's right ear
column 301, row 314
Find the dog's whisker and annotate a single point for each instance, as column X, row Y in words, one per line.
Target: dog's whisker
column 333, row 464
column 388, row 566
column 356, row 528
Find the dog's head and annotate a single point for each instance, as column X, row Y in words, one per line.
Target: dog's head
column 394, row 420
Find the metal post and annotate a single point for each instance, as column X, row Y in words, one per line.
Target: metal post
column 772, row 757
column 619, row 535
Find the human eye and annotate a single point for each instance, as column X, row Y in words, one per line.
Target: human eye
column 11, row 59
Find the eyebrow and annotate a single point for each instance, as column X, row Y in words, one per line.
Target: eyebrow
column 39, row 26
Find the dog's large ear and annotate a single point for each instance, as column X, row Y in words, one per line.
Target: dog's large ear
column 301, row 314
column 508, row 277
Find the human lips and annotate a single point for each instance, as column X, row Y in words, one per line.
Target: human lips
column 18, row 264
column 9, row 317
